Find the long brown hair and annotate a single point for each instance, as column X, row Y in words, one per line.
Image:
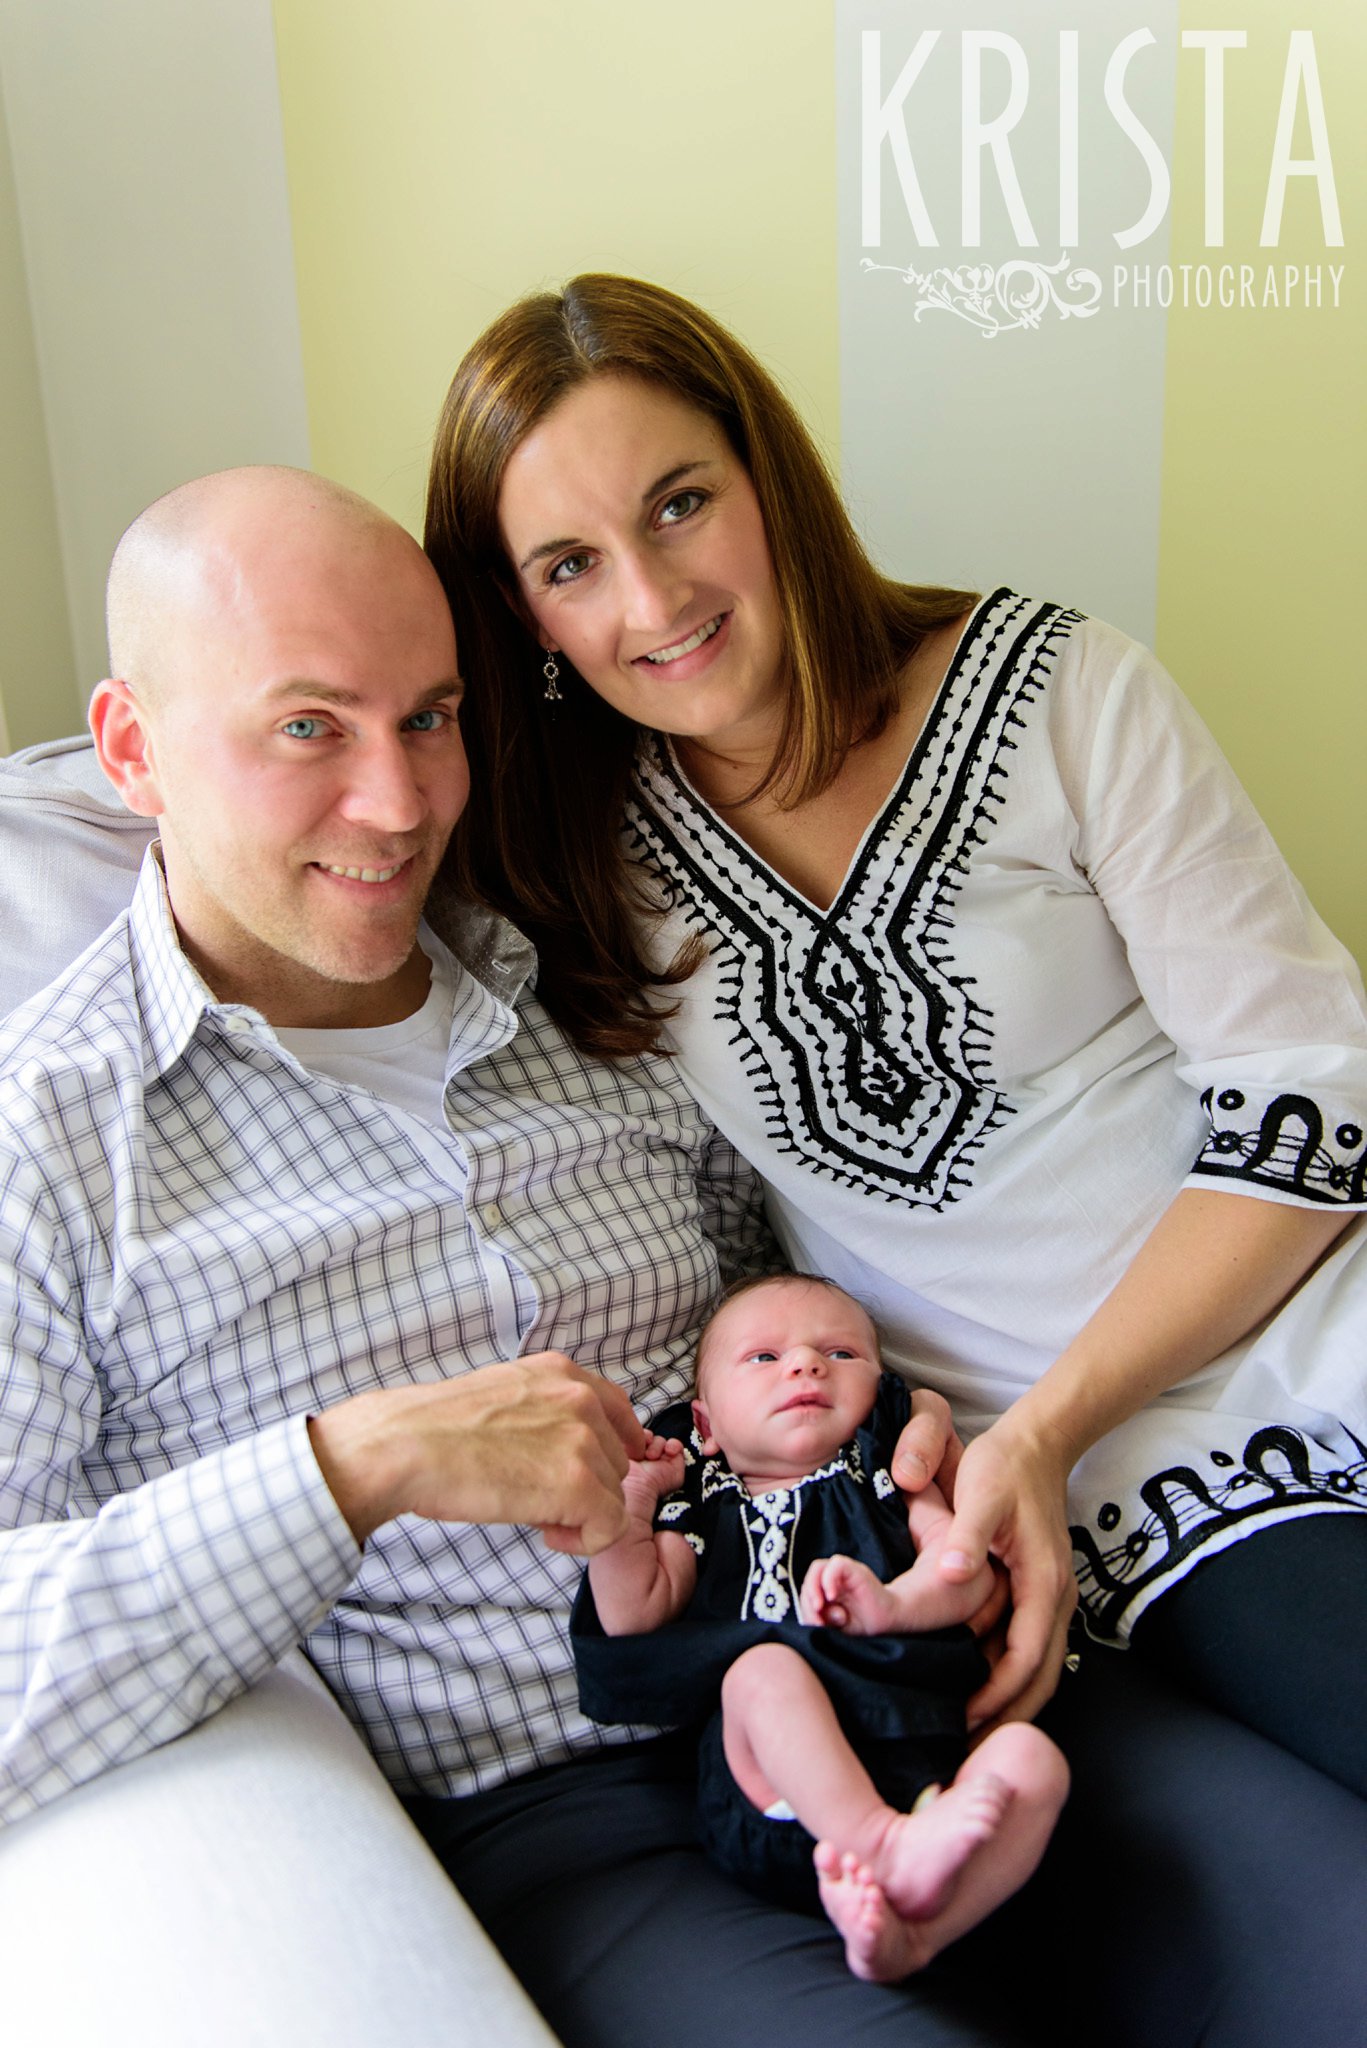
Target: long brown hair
column 541, row 840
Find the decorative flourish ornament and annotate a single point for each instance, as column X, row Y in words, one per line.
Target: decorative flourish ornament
column 552, row 693
column 997, row 300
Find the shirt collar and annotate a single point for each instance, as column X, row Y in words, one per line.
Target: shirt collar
column 173, row 997
column 495, row 952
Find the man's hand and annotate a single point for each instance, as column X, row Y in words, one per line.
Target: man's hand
column 536, row 1440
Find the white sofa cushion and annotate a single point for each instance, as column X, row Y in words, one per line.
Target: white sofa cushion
column 70, row 851
column 254, row 1884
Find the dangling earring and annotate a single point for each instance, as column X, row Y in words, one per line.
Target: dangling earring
column 552, row 693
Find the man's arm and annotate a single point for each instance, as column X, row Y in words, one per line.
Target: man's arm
column 123, row 1627
column 733, row 1213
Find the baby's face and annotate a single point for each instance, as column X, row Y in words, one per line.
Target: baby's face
column 788, row 1373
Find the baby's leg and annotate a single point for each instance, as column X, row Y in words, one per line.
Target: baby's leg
column 940, row 1870
column 784, row 1742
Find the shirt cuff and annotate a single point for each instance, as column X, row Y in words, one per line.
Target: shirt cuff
column 253, row 1548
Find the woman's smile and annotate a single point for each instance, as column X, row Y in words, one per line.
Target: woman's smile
column 642, row 555
column 684, row 647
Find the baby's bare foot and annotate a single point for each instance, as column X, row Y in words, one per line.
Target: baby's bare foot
column 923, row 1854
column 879, row 1947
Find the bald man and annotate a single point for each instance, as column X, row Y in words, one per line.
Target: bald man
column 278, row 1168
column 285, row 705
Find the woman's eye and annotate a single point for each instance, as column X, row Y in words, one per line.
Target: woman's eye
column 681, row 506
column 431, row 720
column 303, row 728
column 568, row 569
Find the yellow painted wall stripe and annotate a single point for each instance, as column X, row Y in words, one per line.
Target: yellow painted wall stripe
column 1264, row 509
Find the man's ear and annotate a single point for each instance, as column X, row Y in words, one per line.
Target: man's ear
column 704, row 1429
column 123, row 741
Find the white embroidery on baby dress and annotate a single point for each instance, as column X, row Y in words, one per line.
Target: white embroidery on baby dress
column 882, row 1483
column 769, row 1594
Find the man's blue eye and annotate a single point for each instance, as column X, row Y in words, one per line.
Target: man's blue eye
column 428, row 721
column 302, row 728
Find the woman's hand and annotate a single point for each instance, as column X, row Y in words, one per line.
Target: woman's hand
column 1010, row 1503
column 929, row 1447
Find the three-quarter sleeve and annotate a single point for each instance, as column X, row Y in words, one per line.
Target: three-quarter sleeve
column 1264, row 1006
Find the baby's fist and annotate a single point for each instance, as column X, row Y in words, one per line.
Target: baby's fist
column 840, row 1592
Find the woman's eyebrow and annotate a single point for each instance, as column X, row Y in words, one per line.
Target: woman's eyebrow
column 673, row 476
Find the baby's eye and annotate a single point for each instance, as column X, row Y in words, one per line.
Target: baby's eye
column 681, row 506
column 303, row 728
column 761, row 1357
column 839, row 1351
column 569, row 568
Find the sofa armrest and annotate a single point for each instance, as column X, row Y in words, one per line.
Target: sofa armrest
column 254, row 1884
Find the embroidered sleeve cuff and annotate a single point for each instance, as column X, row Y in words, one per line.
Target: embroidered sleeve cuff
column 1289, row 1146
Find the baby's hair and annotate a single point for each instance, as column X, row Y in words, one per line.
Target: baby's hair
column 752, row 1286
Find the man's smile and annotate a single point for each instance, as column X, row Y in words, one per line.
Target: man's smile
column 362, row 874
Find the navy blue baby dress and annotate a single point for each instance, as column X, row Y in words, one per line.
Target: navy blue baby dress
column 899, row 1698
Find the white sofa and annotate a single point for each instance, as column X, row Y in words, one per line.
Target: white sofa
column 255, row 1883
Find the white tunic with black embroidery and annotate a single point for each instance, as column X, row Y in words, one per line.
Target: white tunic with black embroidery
column 1066, row 974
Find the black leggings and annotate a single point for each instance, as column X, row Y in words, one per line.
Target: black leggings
column 1203, row 1890
column 1273, row 1631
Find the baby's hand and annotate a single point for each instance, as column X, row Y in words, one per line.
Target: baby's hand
column 649, row 1479
column 839, row 1592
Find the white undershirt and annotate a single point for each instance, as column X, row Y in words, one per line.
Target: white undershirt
column 404, row 1063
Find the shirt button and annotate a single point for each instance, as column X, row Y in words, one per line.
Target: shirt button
column 491, row 1216
column 239, row 1025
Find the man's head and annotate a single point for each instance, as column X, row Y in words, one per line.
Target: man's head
column 787, row 1370
column 283, row 700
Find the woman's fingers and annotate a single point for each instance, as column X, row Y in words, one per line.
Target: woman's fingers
column 1012, row 1508
column 1027, row 1674
column 929, row 1447
column 990, row 1616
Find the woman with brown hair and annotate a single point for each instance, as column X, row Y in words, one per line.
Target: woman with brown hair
column 961, row 929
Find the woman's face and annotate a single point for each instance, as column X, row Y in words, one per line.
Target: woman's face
column 636, row 539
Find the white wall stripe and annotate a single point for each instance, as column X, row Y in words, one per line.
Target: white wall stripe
column 1030, row 454
column 150, row 180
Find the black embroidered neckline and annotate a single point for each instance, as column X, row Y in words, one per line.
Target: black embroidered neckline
column 868, row 1051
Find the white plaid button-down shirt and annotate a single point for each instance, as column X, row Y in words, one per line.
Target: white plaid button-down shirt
column 201, row 1243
